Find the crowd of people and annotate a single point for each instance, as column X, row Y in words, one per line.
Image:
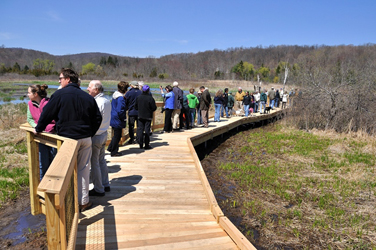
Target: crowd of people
column 86, row 117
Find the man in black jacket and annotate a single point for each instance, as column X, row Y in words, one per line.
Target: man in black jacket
column 145, row 104
column 77, row 117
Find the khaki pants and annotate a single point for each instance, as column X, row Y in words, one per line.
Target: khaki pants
column 175, row 118
column 205, row 117
column 239, row 106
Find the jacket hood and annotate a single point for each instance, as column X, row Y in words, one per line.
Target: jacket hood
column 117, row 94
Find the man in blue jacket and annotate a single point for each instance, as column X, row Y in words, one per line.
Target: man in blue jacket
column 130, row 99
column 77, row 117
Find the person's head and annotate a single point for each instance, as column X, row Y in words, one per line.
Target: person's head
column 272, row 88
column 36, row 91
column 247, row 92
column 226, row 90
column 219, row 93
column 230, row 93
column 145, row 88
column 123, row 87
column 175, row 84
column 191, row 91
column 134, row 84
column 202, row 88
column 140, row 84
column 67, row 76
column 239, row 89
column 95, row 87
column 168, row 88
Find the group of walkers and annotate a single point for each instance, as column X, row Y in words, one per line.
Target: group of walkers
column 180, row 110
column 86, row 117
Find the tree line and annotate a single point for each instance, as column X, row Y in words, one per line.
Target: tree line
column 338, row 82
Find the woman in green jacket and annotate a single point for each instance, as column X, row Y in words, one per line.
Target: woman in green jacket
column 192, row 103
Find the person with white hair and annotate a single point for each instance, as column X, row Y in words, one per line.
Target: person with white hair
column 99, row 170
column 140, row 85
column 177, row 106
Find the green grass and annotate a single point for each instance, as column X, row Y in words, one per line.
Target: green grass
column 299, row 168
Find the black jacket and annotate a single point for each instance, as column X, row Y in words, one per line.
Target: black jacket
column 145, row 104
column 76, row 113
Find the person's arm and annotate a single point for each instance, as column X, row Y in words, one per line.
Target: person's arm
column 96, row 119
column 136, row 104
column 153, row 105
column 30, row 119
column 48, row 114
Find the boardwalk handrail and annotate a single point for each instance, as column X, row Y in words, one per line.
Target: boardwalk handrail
column 56, row 194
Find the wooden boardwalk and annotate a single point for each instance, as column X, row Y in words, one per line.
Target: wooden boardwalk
column 158, row 198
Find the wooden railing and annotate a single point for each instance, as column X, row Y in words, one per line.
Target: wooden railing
column 56, row 194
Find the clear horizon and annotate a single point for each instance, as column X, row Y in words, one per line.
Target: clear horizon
column 157, row 28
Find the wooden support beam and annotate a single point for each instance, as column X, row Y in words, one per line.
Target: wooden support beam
column 52, row 223
column 34, row 175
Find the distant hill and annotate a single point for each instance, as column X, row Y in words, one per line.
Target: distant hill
column 213, row 64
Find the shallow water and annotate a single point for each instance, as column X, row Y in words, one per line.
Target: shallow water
column 25, row 223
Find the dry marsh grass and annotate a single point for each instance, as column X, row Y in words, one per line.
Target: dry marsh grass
column 296, row 189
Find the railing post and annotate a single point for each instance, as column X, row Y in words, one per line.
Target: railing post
column 34, row 175
column 52, row 223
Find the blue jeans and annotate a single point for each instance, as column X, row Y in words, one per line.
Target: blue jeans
column 199, row 117
column 255, row 107
column 217, row 112
column 223, row 108
column 46, row 155
column 272, row 103
column 192, row 115
column 246, row 110
column 262, row 104
column 276, row 102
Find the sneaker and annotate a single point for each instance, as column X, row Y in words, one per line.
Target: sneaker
column 148, row 147
column 107, row 189
column 95, row 193
column 86, row 206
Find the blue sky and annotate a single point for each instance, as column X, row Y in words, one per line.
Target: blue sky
column 155, row 28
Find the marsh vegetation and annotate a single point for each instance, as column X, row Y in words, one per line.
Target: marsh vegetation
column 291, row 189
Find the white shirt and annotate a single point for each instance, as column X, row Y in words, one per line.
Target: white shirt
column 257, row 97
column 104, row 106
